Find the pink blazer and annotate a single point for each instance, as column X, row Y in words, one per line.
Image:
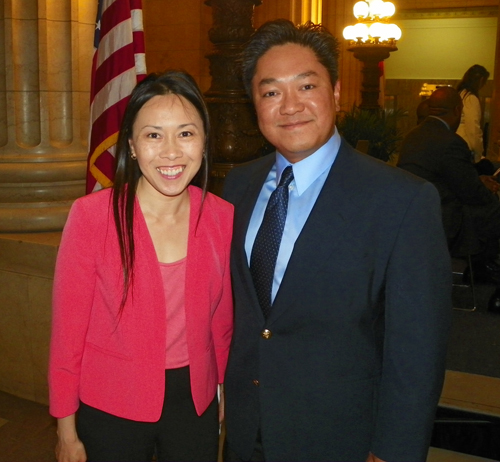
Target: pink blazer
column 118, row 364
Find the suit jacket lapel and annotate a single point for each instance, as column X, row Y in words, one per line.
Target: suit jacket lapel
column 243, row 213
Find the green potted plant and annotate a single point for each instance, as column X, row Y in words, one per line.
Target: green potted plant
column 380, row 128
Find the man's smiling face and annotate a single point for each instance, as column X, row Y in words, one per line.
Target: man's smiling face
column 295, row 100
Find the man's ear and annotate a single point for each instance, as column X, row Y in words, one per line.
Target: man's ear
column 336, row 95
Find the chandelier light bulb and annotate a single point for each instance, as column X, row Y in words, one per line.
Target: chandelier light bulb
column 376, row 30
column 361, row 10
column 385, row 32
column 361, row 31
column 376, row 8
column 348, row 33
column 394, row 32
column 388, row 10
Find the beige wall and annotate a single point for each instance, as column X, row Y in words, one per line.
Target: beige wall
column 443, row 48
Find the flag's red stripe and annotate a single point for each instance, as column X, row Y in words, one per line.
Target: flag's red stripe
column 139, row 46
column 136, row 4
column 116, row 13
column 119, row 62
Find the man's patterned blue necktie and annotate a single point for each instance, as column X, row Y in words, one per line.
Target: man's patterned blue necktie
column 267, row 242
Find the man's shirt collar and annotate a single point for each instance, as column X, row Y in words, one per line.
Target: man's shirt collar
column 307, row 171
column 438, row 118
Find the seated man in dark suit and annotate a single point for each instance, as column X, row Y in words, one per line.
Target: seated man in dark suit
column 471, row 212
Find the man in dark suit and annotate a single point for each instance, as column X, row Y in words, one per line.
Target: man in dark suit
column 341, row 358
column 470, row 210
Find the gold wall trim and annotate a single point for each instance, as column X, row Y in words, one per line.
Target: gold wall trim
column 471, row 392
column 302, row 11
column 441, row 13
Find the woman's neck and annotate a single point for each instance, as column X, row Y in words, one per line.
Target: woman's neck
column 156, row 204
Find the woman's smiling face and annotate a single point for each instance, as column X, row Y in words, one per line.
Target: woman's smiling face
column 168, row 139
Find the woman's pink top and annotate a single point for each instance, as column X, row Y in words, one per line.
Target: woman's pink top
column 174, row 278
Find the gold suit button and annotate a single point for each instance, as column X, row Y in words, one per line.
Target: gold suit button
column 267, row 334
column 256, row 383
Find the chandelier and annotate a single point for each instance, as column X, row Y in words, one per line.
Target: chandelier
column 371, row 41
column 373, row 26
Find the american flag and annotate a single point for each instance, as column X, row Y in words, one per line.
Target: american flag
column 117, row 66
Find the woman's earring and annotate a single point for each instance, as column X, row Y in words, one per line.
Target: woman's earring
column 133, row 156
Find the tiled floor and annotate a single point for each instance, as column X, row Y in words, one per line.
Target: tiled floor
column 28, row 434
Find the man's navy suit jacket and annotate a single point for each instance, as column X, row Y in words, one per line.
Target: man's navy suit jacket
column 359, row 326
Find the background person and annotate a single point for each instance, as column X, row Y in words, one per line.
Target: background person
column 338, row 351
column 142, row 304
column 471, row 211
column 470, row 124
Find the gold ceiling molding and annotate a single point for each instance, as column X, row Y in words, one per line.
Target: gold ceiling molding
column 440, row 13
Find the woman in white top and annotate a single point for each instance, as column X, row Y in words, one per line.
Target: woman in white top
column 470, row 124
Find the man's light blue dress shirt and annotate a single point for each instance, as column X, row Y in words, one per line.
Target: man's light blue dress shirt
column 309, row 177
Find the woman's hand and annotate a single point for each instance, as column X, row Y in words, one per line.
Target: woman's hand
column 70, row 451
column 69, row 448
column 373, row 458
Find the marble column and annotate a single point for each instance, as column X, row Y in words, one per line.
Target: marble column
column 45, row 56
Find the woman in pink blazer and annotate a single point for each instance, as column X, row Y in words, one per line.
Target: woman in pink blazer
column 142, row 304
